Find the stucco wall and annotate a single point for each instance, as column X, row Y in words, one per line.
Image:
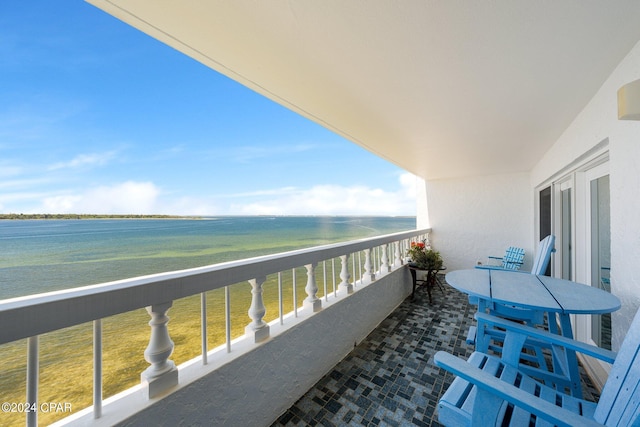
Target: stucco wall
column 595, row 123
column 480, row 216
column 256, row 388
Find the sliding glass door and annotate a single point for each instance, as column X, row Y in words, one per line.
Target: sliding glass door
column 566, row 232
column 600, row 257
column 580, row 214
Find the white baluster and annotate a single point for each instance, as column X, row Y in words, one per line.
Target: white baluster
column 398, row 260
column 33, row 373
column 257, row 329
column 385, row 267
column 227, row 317
column 368, row 275
column 407, row 245
column 162, row 374
column 312, row 299
column 97, row 368
column 203, row 327
column 295, row 293
column 280, row 308
column 333, row 276
column 324, row 278
column 344, row 275
column 374, row 260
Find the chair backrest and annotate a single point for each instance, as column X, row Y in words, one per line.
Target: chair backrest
column 619, row 403
column 513, row 258
column 546, row 246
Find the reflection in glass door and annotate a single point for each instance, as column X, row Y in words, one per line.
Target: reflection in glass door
column 544, row 202
column 600, row 254
column 566, row 252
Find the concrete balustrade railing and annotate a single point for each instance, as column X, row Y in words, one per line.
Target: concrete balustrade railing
column 34, row 315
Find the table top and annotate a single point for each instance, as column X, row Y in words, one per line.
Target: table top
column 531, row 291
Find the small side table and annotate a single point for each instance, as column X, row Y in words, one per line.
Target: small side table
column 428, row 282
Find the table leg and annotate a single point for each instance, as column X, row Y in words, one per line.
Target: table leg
column 571, row 358
column 413, row 277
column 482, row 339
column 429, row 283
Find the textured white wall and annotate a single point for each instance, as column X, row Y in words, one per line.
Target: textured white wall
column 595, row 123
column 480, row 216
column 255, row 389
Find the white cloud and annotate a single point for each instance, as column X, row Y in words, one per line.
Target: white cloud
column 336, row 200
column 269, row 192
column 124, row 198
column 80, row 160
column 7, row 170
column 188, row 206
column 134, row 197
column 408, row 181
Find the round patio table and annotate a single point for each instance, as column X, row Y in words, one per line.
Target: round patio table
column 534, row 292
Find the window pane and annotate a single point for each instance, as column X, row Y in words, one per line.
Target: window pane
column 600, row 255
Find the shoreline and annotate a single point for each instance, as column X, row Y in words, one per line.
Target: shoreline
column 23, row 217
column 90, row 216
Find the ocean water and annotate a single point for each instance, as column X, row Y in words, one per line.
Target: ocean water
column 46, row 255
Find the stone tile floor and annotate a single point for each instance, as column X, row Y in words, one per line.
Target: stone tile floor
column 389, row 379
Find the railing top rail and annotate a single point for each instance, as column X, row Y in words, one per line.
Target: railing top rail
column 36, row 314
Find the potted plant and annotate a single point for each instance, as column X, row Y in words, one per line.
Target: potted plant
column 424, row 258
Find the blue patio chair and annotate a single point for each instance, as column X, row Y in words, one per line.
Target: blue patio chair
column 497, row 391
column 543, row 255
column 531, row 317
column 540, row 263
column 512, row 260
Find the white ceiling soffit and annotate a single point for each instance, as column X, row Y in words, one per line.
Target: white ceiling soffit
column 441, row 88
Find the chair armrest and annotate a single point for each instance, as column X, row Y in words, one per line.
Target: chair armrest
column 553, row 339
column 529, row 402
column 499, row 267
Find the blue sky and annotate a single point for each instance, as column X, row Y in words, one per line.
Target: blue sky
column 97, row 117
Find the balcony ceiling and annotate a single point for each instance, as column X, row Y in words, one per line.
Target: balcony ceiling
column 441, row 88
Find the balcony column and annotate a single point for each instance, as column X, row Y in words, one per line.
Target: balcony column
column 258, row 330
column 398, row 259
column 312, row 299
column 162, row 374
column 344, row 275
column 369, row 275
column 385, row 267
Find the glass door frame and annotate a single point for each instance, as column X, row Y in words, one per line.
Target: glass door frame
column 577, row 177
column 583, row 324
column 579, row 180
column 566, row 183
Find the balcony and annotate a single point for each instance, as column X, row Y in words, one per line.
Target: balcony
column 350, row 288
column 360, row 354
column 362, row 351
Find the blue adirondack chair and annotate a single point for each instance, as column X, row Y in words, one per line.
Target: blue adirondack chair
column 512, row 260
column 495, row 391
column 540, row 263
column 534, row 353
column 543, row 256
